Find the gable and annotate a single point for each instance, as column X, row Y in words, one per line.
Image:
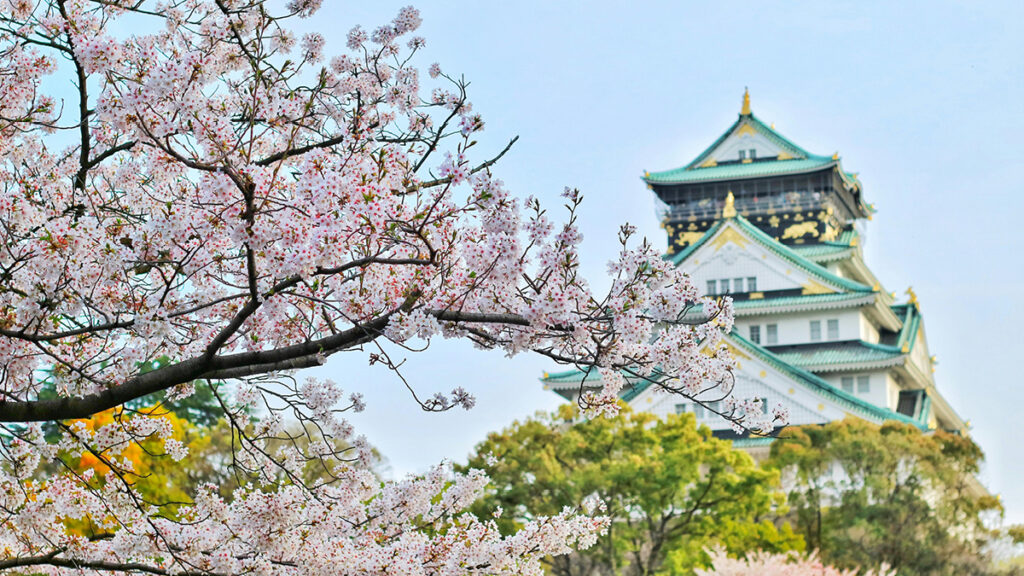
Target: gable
column 746, row 137
column 749, row 133
column 759, row 374
column 757, row 381
column 734, row 249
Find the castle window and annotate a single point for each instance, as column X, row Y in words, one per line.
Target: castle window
column 680, row 408
column 751, row 284
column 833, row 329
column 863, row 384
column 743, row 154
column 764, row 405
column 755, row 334
column 907, row 404
column 815, row 330
column 737, row 285
column 712, row 287
column 772, row 333
column 753, row 153
column 723, row 286
column 848, row 384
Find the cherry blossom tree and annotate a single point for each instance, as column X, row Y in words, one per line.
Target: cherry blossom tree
column 768, row 564
column 195, row 197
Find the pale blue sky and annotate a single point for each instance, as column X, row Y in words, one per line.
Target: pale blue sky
column 922, row 99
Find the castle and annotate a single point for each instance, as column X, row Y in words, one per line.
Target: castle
column 779, row 229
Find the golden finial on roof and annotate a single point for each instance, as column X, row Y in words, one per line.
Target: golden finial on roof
column 730, row 206
column 745, row 110
column 912, row 295
column 835, row 156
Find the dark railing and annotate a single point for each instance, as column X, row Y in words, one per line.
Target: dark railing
column 708, row 209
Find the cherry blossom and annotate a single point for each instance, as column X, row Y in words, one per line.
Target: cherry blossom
column 769, row 564
column 206, row 204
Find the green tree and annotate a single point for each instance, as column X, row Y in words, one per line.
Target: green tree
column 866, row 494
column 670, row 488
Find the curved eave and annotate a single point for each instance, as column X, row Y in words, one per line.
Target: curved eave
column 827, row 257
column 850, row 366
column 731, row 172
column 743, row 308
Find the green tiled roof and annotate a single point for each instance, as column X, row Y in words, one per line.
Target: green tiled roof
column 911, row 318
column 804, row 301
column 801, row 161
column 797, row 303
column 776, row 247
column 831, row 250
column 838, row 355
column 570, row 376
column 575, row 377
column 739, row 171
column 752, row 442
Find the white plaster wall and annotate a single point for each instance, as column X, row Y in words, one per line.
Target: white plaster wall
column 920, row 354
column 795, row 328
column 868, row 331
column 884, row 390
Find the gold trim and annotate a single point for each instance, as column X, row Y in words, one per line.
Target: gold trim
column 745, row 110
column 812, row 287
column 784, row 156
column 687, row 238
column 729, row 235
column 745, row 129
column 757, row 295
column 709, row 163
column 736, row 352
column 809, row 228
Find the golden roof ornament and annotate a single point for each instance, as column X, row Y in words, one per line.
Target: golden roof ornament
column 745, row 110
column 730, row 206
column 912, row 295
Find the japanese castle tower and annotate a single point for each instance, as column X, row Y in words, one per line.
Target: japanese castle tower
column 777, row 228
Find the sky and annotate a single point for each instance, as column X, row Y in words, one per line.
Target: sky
column 922, row 99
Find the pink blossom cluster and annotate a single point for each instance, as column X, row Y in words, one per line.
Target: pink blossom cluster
column 776, row 564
